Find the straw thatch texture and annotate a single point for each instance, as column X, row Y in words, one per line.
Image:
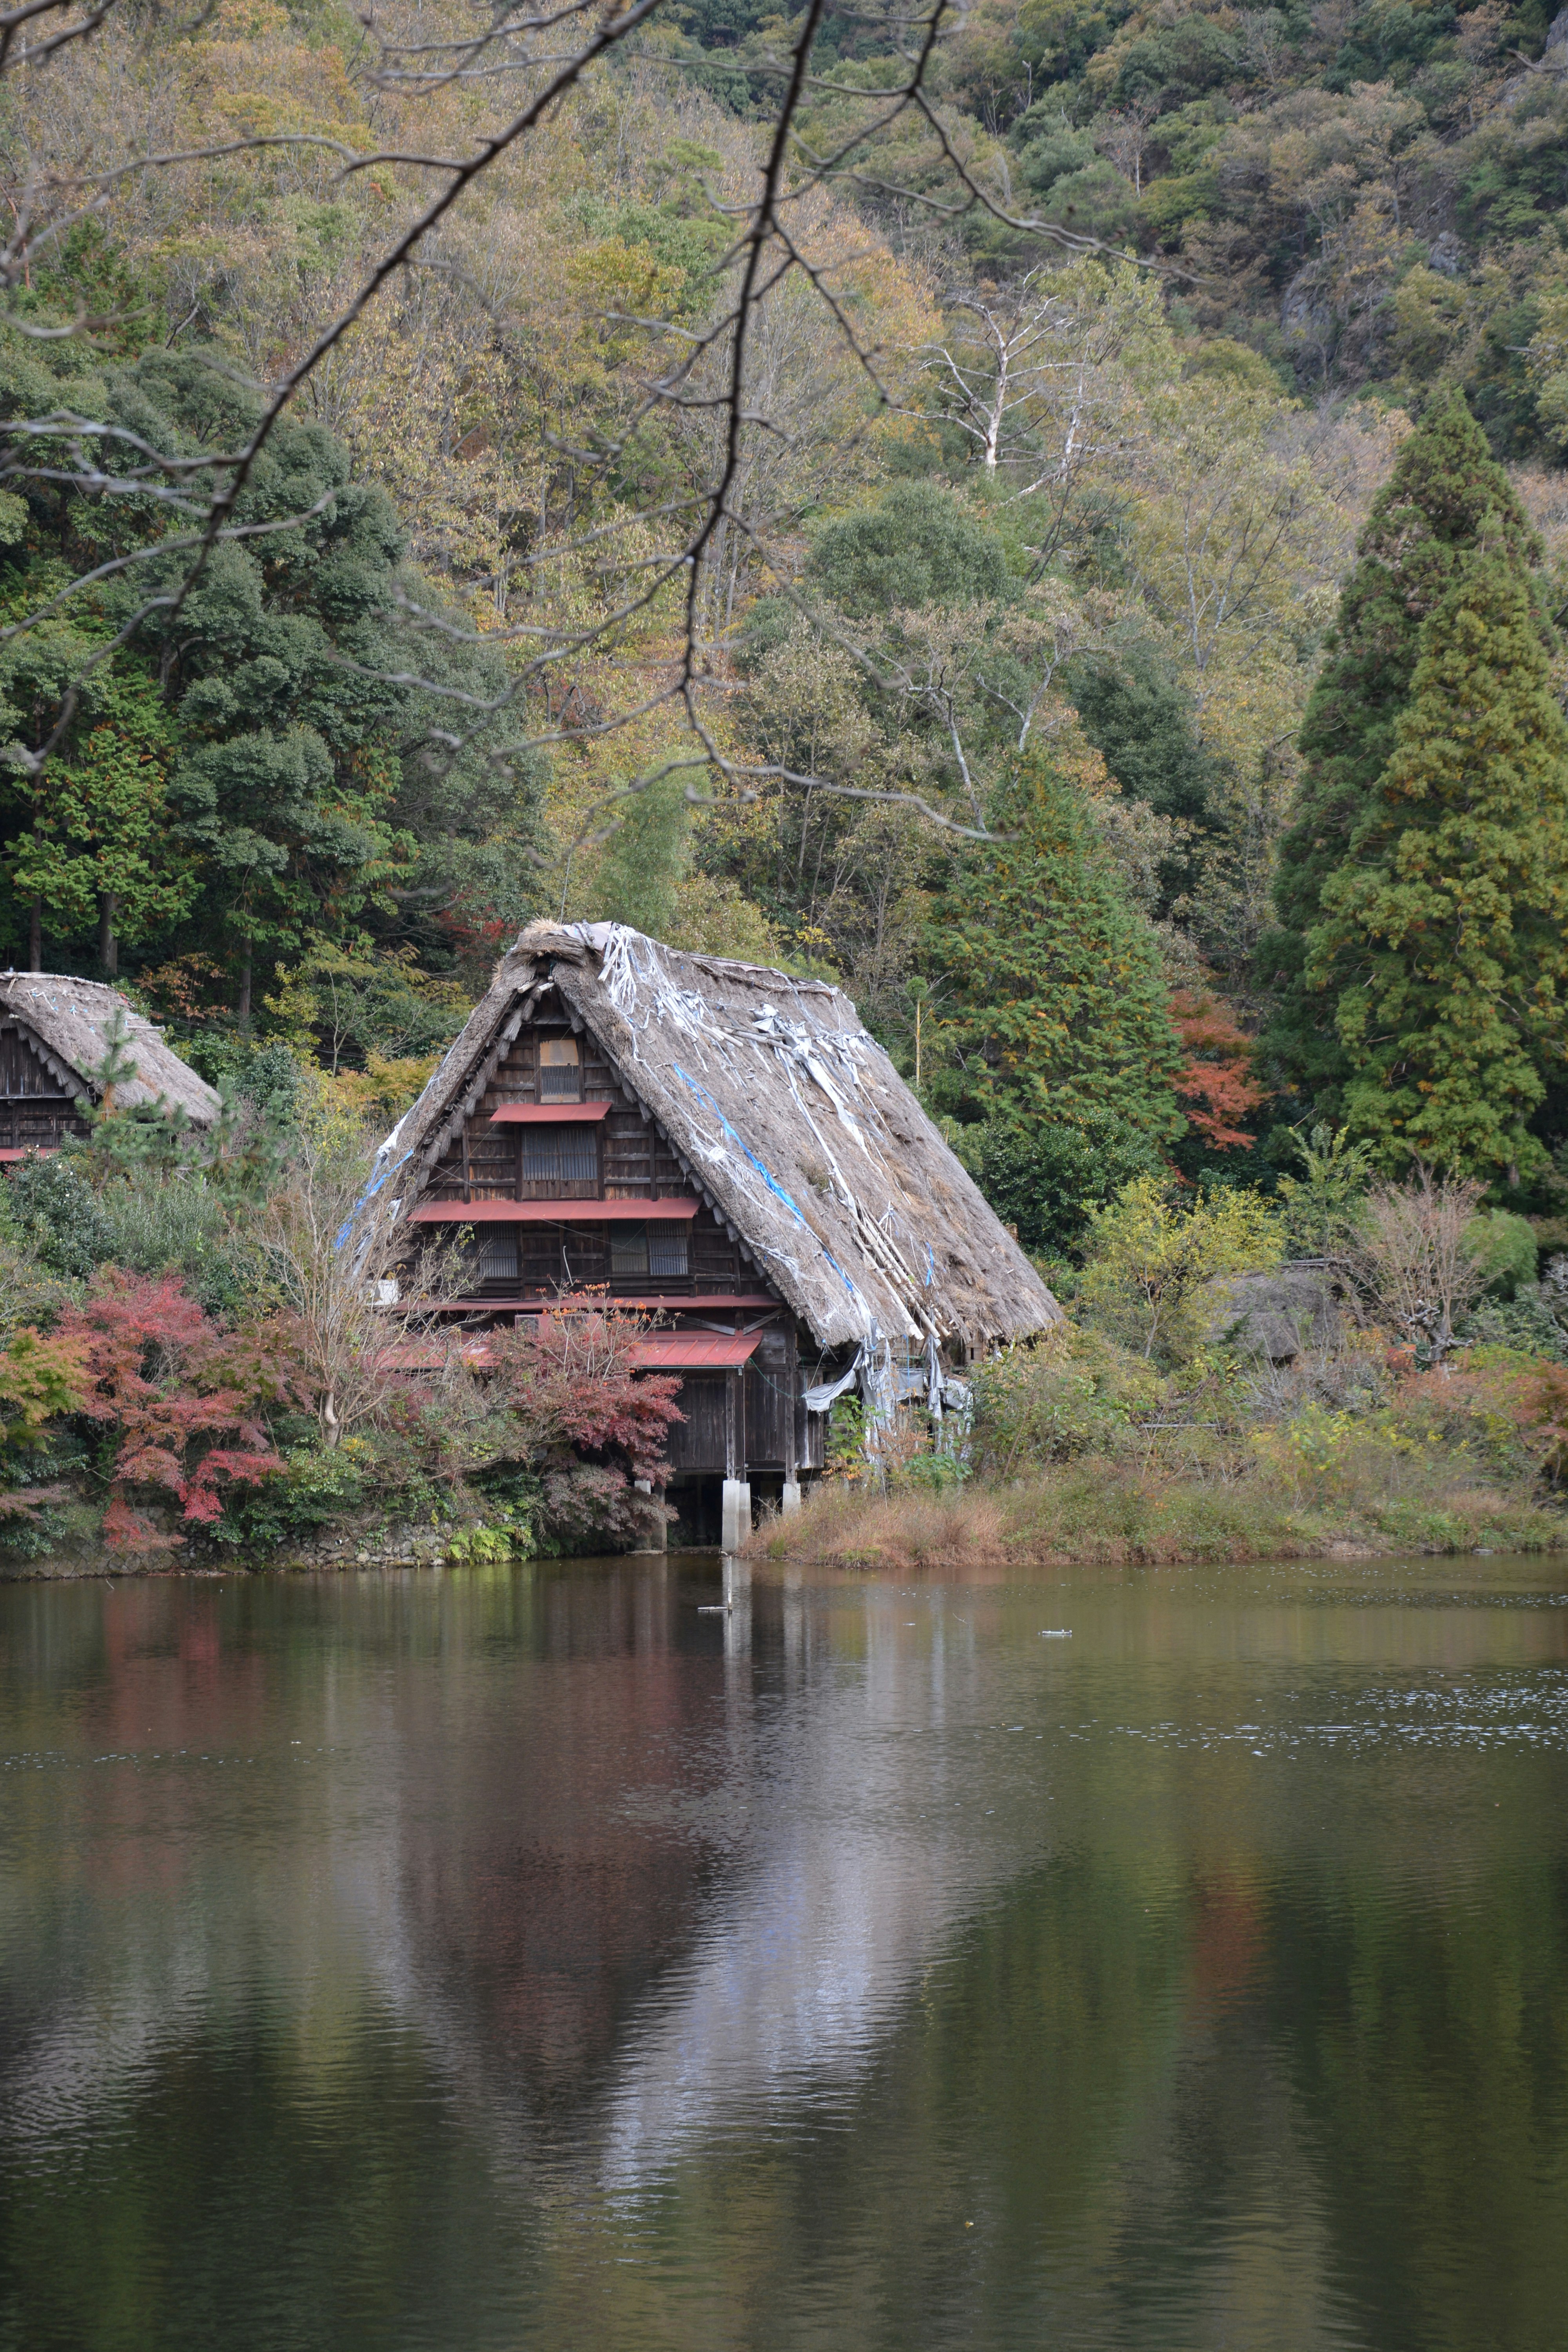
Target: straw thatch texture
column 786, row 1115
column 73, row 1016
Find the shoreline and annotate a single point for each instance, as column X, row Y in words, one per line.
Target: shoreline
column 1067, row 1520
column 763, row 1551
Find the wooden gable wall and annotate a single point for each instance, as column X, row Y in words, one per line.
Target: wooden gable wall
column 635, row 1162
column 37, row 1105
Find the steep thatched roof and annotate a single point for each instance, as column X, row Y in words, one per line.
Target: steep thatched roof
column 72, row 1018
column 787, row 1116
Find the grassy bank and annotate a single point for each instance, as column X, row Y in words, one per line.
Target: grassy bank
column 1098, row 1513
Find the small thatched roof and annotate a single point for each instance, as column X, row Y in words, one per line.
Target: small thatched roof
column 72, row 1018
column 789, row 1119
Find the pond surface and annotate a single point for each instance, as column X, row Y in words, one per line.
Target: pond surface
column 539, row 1959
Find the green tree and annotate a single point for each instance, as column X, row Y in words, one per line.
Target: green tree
column 1061, row 1016
column 645, row 857
column 1149, row 1261
column 1137, row 715
column 1443, row 948
column 1047, row 1177
column 97, row 851
column 917, row 546
column 1445, row 495
column 282, row 761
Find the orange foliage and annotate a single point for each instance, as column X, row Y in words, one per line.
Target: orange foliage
column 1216, row 1089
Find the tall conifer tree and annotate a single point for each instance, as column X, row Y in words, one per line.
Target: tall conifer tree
column 1446, row 494
column 1062, row 999
column 1443, row 944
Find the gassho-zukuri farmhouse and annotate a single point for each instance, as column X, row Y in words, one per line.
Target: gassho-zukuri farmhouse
column 57, row 1034
column 726, row 1147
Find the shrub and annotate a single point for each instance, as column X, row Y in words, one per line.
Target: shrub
column 83, row 1208
column 58, row 1214
column 178, row 1399
column 1148, row 1257
column 553, row 1430
column 1503, row 1247
column 307, row 1490
column 41, row 1380
column 1323, row 1207
column 1414, row 1258
column 1073, row 1393
column 1534, row 1320
column 585, row 1420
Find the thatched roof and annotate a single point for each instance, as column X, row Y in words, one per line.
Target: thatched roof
column 72, row 1017
column 789, row 1119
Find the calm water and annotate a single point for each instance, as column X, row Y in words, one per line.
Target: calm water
column 528, row 1959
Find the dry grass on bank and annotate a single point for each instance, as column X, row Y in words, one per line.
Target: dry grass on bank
column 1098, row 1512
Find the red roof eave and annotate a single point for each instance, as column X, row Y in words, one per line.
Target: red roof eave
column 693, row 1351
column 517, row 1114
column 550, row 1212
column 660, row 1352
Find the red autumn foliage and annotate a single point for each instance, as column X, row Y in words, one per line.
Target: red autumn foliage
column 473, row 934
column 1216, row 1089
column 180, row 1394
column 569, row 1374
column 1528, row 1400
column 589, row 1426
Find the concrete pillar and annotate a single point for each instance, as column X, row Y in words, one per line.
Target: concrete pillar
column 789, row 1501
column 736, row 1518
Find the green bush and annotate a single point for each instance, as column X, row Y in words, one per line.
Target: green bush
column 1149, row 1258
column 59, row 1215
column 73, row 1214
column 311, row 1491
column 1046, row 1175
column 1073, row 1393
column 1504, row 1248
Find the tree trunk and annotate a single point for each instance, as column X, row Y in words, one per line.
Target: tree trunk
column 36, row 936
column 245, row 987
column 108, row 946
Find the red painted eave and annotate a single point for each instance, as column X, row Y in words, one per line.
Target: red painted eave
column 685, row 1302
column 693, row 1351
column 550, row 1213
column 660, row 1352
column 548, row 1114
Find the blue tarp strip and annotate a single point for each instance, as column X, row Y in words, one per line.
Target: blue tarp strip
column 769, row 1179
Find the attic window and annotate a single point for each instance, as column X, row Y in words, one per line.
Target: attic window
column 560, row 1070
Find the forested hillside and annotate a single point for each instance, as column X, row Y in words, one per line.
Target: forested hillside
column 864, row 491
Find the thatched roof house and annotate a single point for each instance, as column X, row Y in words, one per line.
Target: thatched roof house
column 53, row 1043
column 726, row 1144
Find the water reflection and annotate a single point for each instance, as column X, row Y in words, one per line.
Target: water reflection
column 529, row 1957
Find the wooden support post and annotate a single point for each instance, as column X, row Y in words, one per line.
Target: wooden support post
column 789, row 1500
column 736, row 1509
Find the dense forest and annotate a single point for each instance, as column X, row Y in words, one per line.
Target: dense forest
column 1052, row 514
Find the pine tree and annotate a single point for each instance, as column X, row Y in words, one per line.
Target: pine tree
column 1443, row 949
column 1062, row 1003
column 1445, row 495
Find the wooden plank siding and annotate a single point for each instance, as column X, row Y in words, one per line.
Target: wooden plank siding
column 624, row 1156
column 620, row 1157
column 36, row 1112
